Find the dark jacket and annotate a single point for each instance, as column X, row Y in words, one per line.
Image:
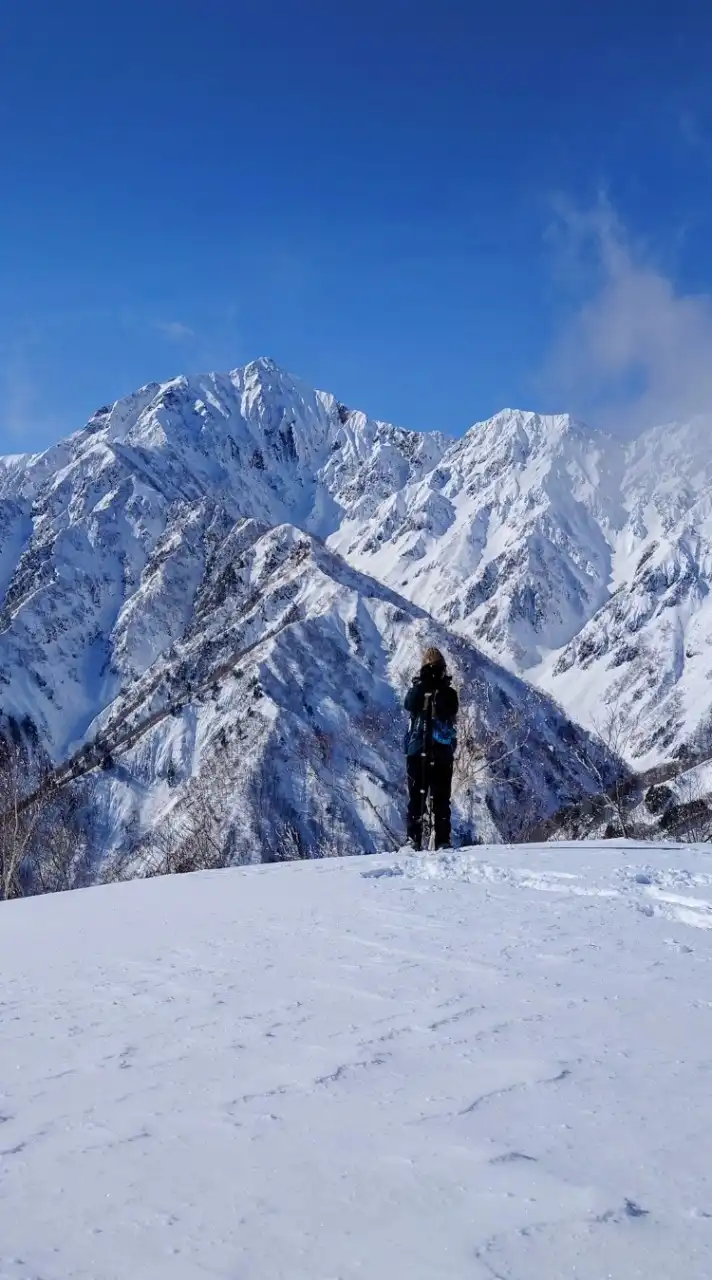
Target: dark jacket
column 432, row 724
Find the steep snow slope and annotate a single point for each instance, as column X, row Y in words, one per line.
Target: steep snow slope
column 284, row 695
column 581, row 563
column 648, row 650
column 508, row 538
column 485, row 1066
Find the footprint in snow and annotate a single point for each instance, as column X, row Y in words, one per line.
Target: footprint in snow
column 513, row 1157
column 631, row 1209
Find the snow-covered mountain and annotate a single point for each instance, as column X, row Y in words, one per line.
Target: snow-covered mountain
column 104, row 538
column 187, row 522
column 648, row 649
column 168, row 595
column 283, row 698
column 506, row 538
column 584, row 564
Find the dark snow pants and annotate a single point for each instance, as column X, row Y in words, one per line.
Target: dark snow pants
column 430, row 777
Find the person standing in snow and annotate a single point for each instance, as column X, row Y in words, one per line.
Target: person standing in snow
column 430, row 743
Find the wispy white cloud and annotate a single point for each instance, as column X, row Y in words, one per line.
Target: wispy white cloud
column 637, row 351
column 216, row 342
column 175, row 330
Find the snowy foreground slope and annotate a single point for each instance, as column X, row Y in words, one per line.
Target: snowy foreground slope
column 491, row 1065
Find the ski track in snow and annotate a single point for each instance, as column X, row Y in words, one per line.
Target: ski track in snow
column 492, row 1064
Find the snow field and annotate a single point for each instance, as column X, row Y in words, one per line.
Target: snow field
column 491, row 1064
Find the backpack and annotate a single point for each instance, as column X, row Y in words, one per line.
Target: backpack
column 444, row 733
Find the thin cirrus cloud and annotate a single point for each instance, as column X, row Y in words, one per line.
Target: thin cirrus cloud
column 175, row 330
column 637, row 351
column 215, row 344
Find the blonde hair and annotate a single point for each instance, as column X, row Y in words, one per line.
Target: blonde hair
column 432, row 657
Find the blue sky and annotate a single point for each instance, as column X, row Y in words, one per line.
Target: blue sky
column 432, row 210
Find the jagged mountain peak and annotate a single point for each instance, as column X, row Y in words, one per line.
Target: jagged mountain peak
column 265, row 364
column 527, row 434
column 260, row 394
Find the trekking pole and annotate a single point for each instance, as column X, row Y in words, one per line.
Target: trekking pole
column 431, row 821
